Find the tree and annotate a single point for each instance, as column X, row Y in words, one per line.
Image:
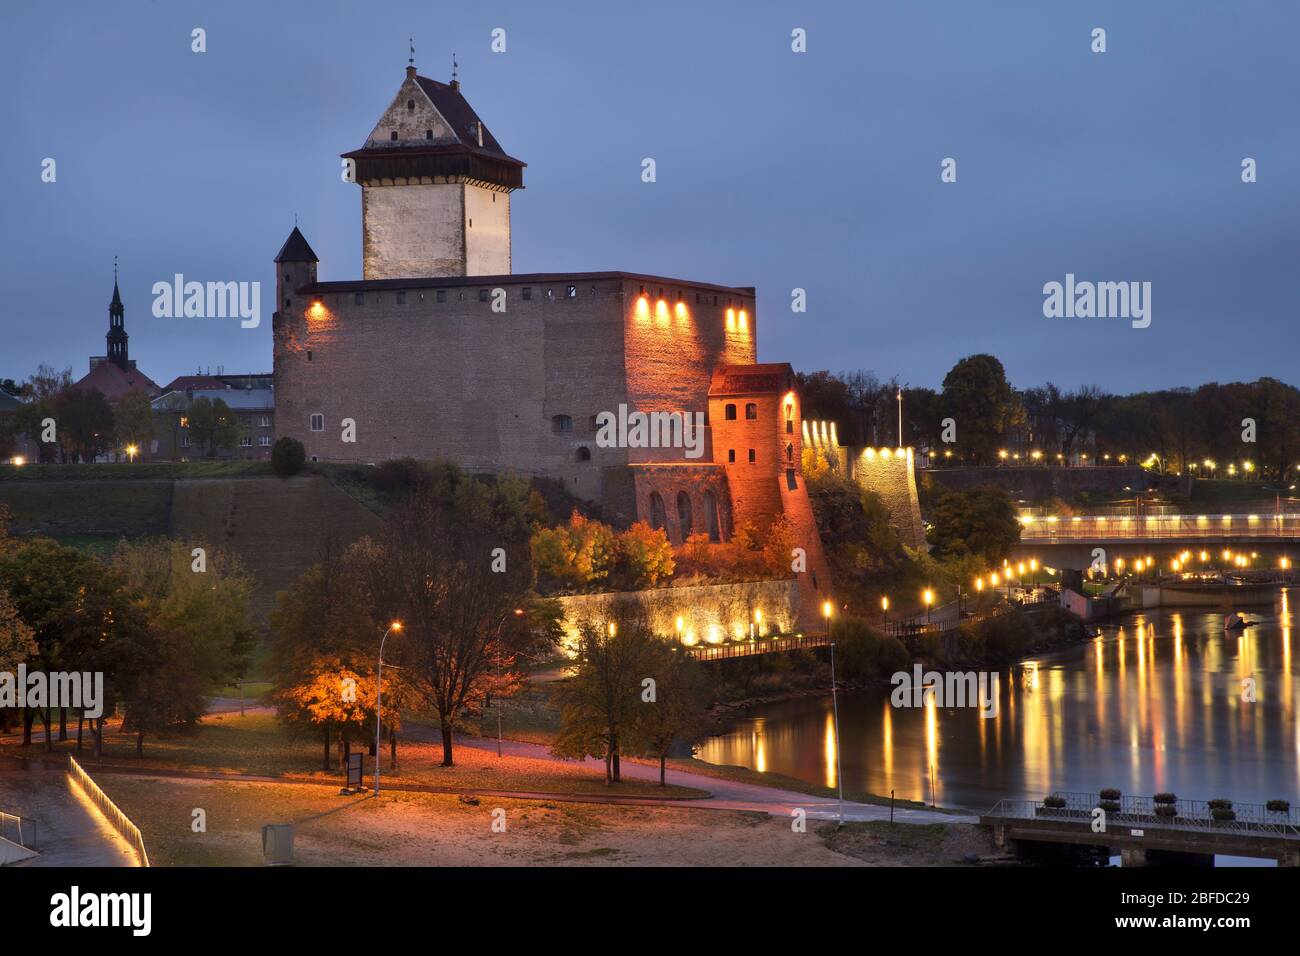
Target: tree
column 85, row 422
column 38, row 393
column 287, row 456
column 645, row 556
column 322, row 625
column 452, row 564
column 977, row 521
column 599, row 703
column 977, row 395
column 212, row 425
column 672, row 708
column 198, row 609
column 133, row 419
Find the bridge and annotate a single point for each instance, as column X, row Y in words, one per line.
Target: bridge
column 1147, row 832
column 1216, row 528
column 770, row 645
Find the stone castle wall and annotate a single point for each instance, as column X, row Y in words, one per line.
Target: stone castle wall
column 710, row 613
column 893, row 478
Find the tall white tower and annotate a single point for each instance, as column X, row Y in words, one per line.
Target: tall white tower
column 435, row 187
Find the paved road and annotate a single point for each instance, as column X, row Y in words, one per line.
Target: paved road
column 68, row 832
column 727, row 794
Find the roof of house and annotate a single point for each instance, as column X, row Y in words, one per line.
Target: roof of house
column 114, row 383
column 8, row 403
column 182, row 382
column 758, row 379
column 455, row 109
column 237, row 399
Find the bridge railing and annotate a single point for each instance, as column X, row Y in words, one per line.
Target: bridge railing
column 1158, row 527
column 17, row 829
column 1141, row 812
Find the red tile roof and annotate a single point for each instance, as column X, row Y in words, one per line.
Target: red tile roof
column 115, row 383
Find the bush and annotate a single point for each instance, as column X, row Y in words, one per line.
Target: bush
column 1279, row 806
column 1165, row 798
column 1220, row 804
column 1055, row 802
column 863, row 654
column 1223, row 813
column 1110, row 793
column 1166, row 810
column 287, row 456
column 1110, row 806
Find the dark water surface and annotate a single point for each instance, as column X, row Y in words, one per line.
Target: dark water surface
column 1154, row 704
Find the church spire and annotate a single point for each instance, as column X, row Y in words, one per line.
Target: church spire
column 116, row 337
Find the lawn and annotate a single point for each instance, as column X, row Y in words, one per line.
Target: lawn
column 259, row 745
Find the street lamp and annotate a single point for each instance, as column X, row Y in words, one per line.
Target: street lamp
column 131, row 452
column 884, row 610
column 928, row 597
column 379, row 698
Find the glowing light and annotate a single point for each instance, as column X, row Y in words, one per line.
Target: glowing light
column 642, row 308
column 18, row 460
column 884, row 603
column 661, row 311
column 613, row 628
column 743, row 316
column 131, row 452
column 979, row 584
column 680, row 310
column 731, row 318
column 397, row 625
column 826, row 610
column 927, row 596
column 317, row 310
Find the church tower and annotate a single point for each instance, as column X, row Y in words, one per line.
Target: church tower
column 435, row 187
column 117, row 329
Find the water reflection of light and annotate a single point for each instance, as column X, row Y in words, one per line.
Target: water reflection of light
column 760, row 753
column 931, row 732
column 832, row 769
column 887, row 741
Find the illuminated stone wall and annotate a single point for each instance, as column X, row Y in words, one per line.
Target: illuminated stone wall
column 892, row 476
column 711, row 614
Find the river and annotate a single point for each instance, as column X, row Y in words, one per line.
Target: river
column 1154, row 704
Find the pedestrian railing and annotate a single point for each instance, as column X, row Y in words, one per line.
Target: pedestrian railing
column 1187, row 815
column 17, row 830
column 119, row 820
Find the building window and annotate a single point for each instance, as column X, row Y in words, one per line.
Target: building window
column 401, row 298
column 751, row 456
column 561, row 423
column 528, row 292
column 264, row 441
column 730, row 413
column 393, row 136
column 658, row 517
column 441, row 296
column 318, row 423
column 245, row 441
column 185, row 421
column 309, row 355
column 185, row 441
column 789, row 451
column 264, row 421
column 570, row 291
column 584, row 453
column 751, row 412
column 410, row 104
column 358, row 298
column 428, row 134
column 550, row 293
column 482, row 295
column 684, row 514
column 789, row 426
column 731, row 455
column 711, row 517
column 287, row 303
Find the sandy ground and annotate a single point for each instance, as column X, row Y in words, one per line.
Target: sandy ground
column 416, row 829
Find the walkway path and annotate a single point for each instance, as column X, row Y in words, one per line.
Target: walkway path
column 67, row 832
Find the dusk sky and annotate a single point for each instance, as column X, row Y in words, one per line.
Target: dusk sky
column 779, row 170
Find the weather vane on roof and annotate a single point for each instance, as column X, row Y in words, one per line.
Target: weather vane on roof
column 454, row 68
column 411, row 59
column 115, row 268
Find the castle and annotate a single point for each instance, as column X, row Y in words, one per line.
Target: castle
column 441, row 351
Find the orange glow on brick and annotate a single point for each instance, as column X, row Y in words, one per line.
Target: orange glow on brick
column 643, row 308
column 680, row 309
column 661, row 311
column 731, row 318
column 744, row 320
column 317, row 310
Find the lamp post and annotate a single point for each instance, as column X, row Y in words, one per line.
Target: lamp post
column 379, row 699
column 835, row 705
column 884, row 610
column 928, row 597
